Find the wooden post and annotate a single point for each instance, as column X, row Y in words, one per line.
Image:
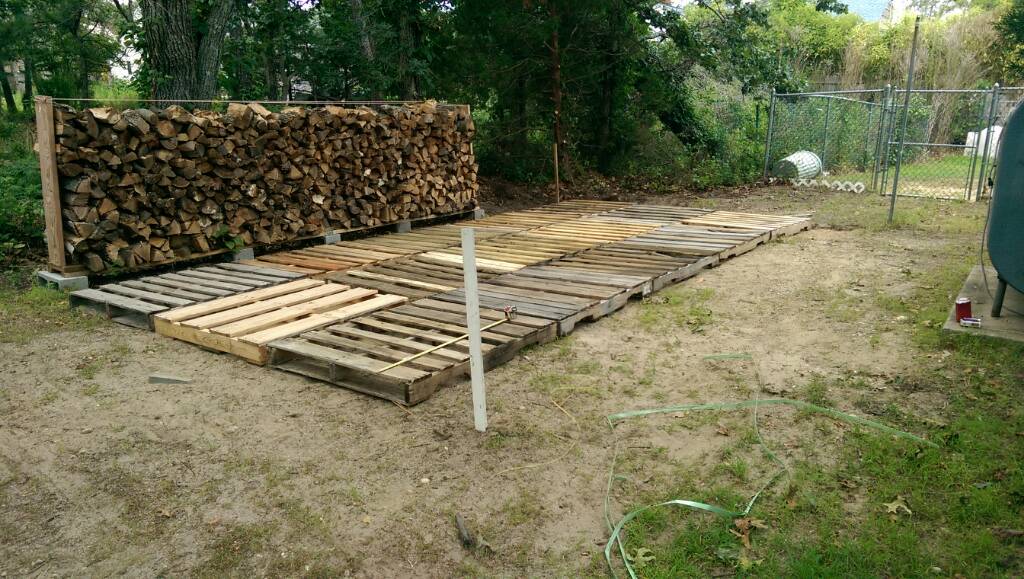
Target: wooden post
column 51, row 183
column 558, row 192
column 476, row 360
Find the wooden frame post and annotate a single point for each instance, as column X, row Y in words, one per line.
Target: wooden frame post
column 51, row 183
column 476, row 360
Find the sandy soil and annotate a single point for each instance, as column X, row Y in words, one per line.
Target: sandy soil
column 251, row 471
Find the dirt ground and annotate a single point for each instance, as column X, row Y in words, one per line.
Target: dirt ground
column 250, row 471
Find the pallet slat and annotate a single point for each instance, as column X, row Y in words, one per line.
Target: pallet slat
column 243, row 324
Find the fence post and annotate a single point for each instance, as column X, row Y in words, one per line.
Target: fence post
column 906, row 115
column 824, row 133
column 878, row 141
column 988, row 138
column 982, row 114
column 768, row 135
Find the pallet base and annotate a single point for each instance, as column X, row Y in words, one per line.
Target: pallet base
column 358, row 354
column 133, row 302
column 244, row 324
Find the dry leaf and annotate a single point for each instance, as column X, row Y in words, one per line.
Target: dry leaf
column 898, row 505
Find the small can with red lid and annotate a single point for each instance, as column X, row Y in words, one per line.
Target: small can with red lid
column 963, row 308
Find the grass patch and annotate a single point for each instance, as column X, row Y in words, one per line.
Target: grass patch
column 681, row 306
column 833, row 518
column 27, row 315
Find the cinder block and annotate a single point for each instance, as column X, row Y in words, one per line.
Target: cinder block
column 404, row 226
column 330, row 238
column 70, row 283
column 241, row 254
column 479, row 213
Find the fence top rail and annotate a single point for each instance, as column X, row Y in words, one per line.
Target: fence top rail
column 838, row 98
column 830, row 92
column 947, row 90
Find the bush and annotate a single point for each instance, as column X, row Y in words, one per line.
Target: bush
column 21, row 206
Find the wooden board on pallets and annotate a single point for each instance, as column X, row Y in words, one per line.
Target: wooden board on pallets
column 357, row 354
column 660, row 269
column 774, row 225
column 416, row 276
column 360, row 252
column 550, row 241
column 562, row 296
column 659, row 214
column 244, row 324
column 693, row 240
column 133, row 302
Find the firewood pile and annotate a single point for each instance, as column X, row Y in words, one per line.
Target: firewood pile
column 144, row 186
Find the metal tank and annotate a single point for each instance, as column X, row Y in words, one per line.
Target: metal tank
column 1006, row 222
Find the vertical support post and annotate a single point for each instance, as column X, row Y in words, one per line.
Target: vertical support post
column 867, row 139
column 824, row 133
column 768, row 136
column 988, row 138
column 476, row 360
column 982, row 114
column 906, row 114
column 51, row 183
column 879, row 140
column 558, row 186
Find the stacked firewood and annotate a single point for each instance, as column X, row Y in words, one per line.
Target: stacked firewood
column 144, row 186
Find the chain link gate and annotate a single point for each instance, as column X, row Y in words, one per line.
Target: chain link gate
column 951, row 140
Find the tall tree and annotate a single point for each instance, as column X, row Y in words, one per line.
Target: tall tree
column 181, row 43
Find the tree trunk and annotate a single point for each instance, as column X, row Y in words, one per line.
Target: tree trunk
column 609, row 84
column 369, row 52
column 26, row 97
column 185, row 56
column 406, row 47
column 8, row 93
column 556, row 81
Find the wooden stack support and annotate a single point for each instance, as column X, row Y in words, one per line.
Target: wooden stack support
column 140, row 187
column 245, row 323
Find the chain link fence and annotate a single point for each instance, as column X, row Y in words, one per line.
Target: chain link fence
column 851, row 140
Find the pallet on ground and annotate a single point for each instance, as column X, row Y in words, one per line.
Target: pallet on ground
column 693, row 240
column 353, row 253
column 545, row 243
column 133, row 302
column 659, row 269
column 371, row 353
column 774, row 225
column 561, row 296
column 416, row 276
column 658, row 214
column 244, row 324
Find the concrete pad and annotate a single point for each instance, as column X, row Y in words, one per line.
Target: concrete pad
column 1009, row 325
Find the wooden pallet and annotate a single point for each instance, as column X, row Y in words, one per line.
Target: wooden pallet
column 773, row 225
column 658, row 269
column 415, row 277
column 244, row 324
column 133, row 302
column 697, row 241
column 360, row 252
column 355, row 354
column 659, row 214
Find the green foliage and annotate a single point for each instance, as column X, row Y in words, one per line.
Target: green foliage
column 21, row 211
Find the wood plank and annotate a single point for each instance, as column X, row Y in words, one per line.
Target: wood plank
column 47, row 150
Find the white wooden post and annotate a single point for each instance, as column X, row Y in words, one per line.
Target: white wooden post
column 476, row 360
